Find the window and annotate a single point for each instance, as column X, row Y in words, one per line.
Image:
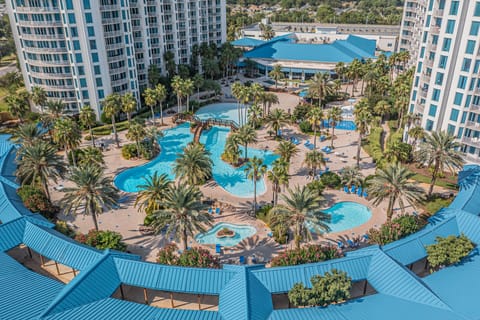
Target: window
column 474, row 28
column 71, row 18
column 466, row 64
column 85, row 94
column 88, row 17
column 464, row 117
column 86, row 4
column 96, row 69
column 69, row 5
column 439, row 78
column 83, row 82
column 76, row 44
column 454, row 115
column 93, row 45
column 451, row 129
column 78, row 57
column 460, row 133
column 99, row 82
column 468, row 99
column 435, row 94
column 446, row 44
column 470, row 46
column 101, row 94
column 429, row 125
column 476, row 13
column 91, row 32
column 462, row 82
column 450, row 26
column 458, row 99
column 442, row 63
column 81, row 71
column 432, row 111
column 95, row 57
column 454, row 8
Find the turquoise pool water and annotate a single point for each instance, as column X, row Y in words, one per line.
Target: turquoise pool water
column 233, row 180
column 222, row 111
column 241, row 232
column 347, row 215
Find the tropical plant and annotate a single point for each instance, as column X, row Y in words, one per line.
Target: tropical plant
column 129, row 105
column 255, row 114
column 38, row 97
column 39, row 163
column 55, row 108
column 363, row 119
column 276, row 74
column 103, row 239
column 18, row 105
column 439, row 152
column 192, row 257
column 91, row 155
column 178, row 88
column 35, row 200
column 247, row 135
column 150, row 97
column 306, row 254
column 136, row 132
column 152, row 192
column 278, row 176
column 416, row 133
column 92, row 192
column 301, row 211
column 27, row 134
column 320, row 87
column 331, row 180
column 194, row 165
column 67, row 134
column 267, row 99
column 276, row 120
column 350, row 176
column 334, row 116
column 188, row 87
column 394, row 185
column 255, row 169
column 232, row 152
column 183, row 213
column 315, row 118
column 111, row 107
column 266, row 31
column 400, row 227
column 314, row 159
column 87, row 118
column 449, row 250
column 286, row 150
column 331, row 288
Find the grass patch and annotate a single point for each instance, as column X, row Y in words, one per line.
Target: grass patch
column 436, row 203
column 107, row 129
column 440, row 182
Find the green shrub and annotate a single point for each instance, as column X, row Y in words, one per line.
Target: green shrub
column 262, row 213
column 331, row 288
column 102, row 239
column 36, row 201
column 62, row 227
column 448, row 251
column 307, row 254
column 129, row 151
column 436, row 203
column 193, row 257
column 396, row 229
column 300, row 111
column 373, row 145
column 331, row 180
column 316, row 186
column 280, row 234
column 147, row 150
column 305, row 127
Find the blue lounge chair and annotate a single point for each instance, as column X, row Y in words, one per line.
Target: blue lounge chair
column 323, row 138
column 360, row 191
column 350, row 243
column 326, row 159
column 365, row 194
column 345, row 189
column 340, row 245
column 353, row 189
column 217, row 210
column 270, row 234
column 242, row 259
column 307, row 143
column 366, row 237
column 218, row 248
column 210, row 210
column 279, row 133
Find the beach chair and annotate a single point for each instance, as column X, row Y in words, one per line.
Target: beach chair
column 340, row 245
column 217, row 210
column 360, row 191
column 270, row 234
column 327, row 169
column 307, row 143
column 350, row 243
column 322, row 138
column 279, row 133
column 218, row 248
column 242, row 259
column 365, row 194
column 365, row 237
column 345, row 189
column 353, row 189
column 210, row 210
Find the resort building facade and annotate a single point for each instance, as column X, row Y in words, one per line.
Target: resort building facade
column 82, row 51
column 446, row 92
column 414, row 13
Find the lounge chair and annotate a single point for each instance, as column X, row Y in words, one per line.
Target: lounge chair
column 365, row 237
column 327, row 169
column 270, row 234
column 307, row 143
column 365, row 194
column 345, row 189
column 218, row 248
column 210, row 210
column 360, row 191
column 353, row 189
column 242, row 259
column 323, row 138
column 340, row 245
column 350, row 243
column 217, row 210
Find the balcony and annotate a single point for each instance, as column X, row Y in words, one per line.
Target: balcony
column 475, row 107
column 423, row 93
column 435, row 29
column 471, row 141
column 438, row 12
column 426, row 77
column 473, row 125
column 36, row 10
column 40, row 23
column 45, row 50
column 428, row 62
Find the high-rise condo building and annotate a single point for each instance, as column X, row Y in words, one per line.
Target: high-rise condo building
column 414, row 13
column 80, row 51
column 446, row 86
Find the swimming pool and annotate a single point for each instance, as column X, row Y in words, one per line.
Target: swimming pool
column 342, row 125
column 241, row 232
column 221, row 111
column 347, row 215
column 233, row 180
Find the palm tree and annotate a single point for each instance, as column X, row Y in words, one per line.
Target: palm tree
column 354, row 70
column 267, row 31
column 300, row 212
column 244, row 95
column 276, row 73
column 320, row 87
column 313, row 160
column 91, row 155
column 276, row 120
column 150, row 97
column 39, row 97
column 440, row 152
column 39, row 163
column 315, row 117
column 393, row 184
column 351, row 176
column 255, row 114
column 18, row 105
column 188, row 87
column 92, row 193
column 232, row 152
column 334, row 116
column 383, row 108
column 416, row 133
column 136, row 132
column 246, row 135
column 363, row 118
column 341, row 70
column 161, row 92
column 178, row 88
column 237, row 88
column 111, row 107
column 129, row 105
column 277, row 176
column 55, row 108
column 267, row 99
column 255, row 170
column 88, row 119
column 184, row 213
column 67, row 134
column 198, row 82
column 194, row 165
column 286, row 150
column 152, row 192
column 27, row 134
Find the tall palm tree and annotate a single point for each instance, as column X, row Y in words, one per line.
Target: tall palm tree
column 314, row 159
column 178, row 88
column 129, row 105
column 320, row 87
column 394, row 185
column 276, row 74
column 244, row 95
column 416, row 133
column 184, row 213
column 39, row 163
column 88, row 119
column 286, row 150
column 150, row 97
column 276, row 120
column 351, row 176
column 255, row 170
column 91, row 155
column 198, row 82
column 255, row 114
column 136, row 132
column 18, row 105
column 440, row 152
column 341, row 70
column 246, row 135
column 39, row 97
column 55, row 108
column 111, row 107
column 267, row 31
column 300, row 212
column 67, row 134
column 194, row 165
column 278, row 176
column 354, row 70
column 315, row 117
column 92, row 193
column 267, row 99
column 161, row 92
column 27, row 134
column 152, row 192
column 237, row 88
column 188, row 87
column 363, row 119
column 383, row 109
column 334, row 116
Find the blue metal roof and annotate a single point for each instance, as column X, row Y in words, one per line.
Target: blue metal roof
column 247, row 42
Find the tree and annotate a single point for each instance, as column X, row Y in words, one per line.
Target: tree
column 313, row 160
column 18, row 105
column 194, row 165
column 416, row 133
column 276, row 74
column 152, row 192
column 334, row 116
column 276, row 120
column 91, row 194
column 178, row 88
column 315, row 117
column 255, row 170
column 255, row 114
column 27, row 134
column 67, row 134
column 39, row 97
column 88, row 119
column 267, row 31
column 111, row 107
column 363, row 119
column 449, row 250
column 320, row 86
column 246, row 135
column 331, row 288
column 39, row 163
column 161, row 93
column 188, row 86
column 301, row 206
column 198, row 82
column 277, row 176
column 267, row 99
column 136, row 132
column 439, row 151
column 55, row 108
column 354, row 70
column 129, row 105
column 170, row 65
column 183, row 214
column 91, row 155
column 394, row 185
column 350, row 176
column 150, row 97
column 153, row 75
column 286, row 150
column 232, row 152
